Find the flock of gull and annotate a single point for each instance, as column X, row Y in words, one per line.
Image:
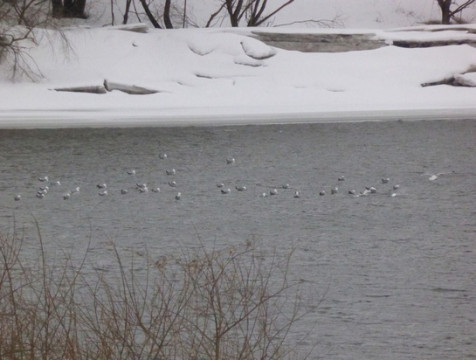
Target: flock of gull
column 45, row 184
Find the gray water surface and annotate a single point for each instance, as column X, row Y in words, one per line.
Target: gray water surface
column 393, row 272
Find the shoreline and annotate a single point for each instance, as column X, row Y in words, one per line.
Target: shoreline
column 130, row 118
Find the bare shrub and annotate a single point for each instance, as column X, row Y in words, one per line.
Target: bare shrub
column 238, row 309
column 37, row 308
column 205, row 304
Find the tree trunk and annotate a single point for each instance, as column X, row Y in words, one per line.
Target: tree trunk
column 445, row 6
column 57, row 8
column 184, row 20
column 126, row 12
column 68, row 8
column 167, row 21
column 74, row 8
column 80, row 6
column 445, row 15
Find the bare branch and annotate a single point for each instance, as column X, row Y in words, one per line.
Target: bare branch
column 461, row 7
column 259, row 22
column 326, row 23
column 149, row 14
column 215, row 14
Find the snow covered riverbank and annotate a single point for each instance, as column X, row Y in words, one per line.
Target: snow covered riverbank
column 226, row 75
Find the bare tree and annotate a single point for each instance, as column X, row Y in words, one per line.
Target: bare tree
column 449, row 8
column 170, row 14
column 252, row 12
column 158, row 19
column 18, row 20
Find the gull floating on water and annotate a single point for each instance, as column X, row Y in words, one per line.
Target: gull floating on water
column 17, row 197
column 230, row 161
column 225, row 191
column 172, row 183
column 163, row 156
column 102, row 193
column 334, row 190
column 297, row 195
column 43, row 179
column 396, row 187
column 365, row 192
column 66, row 196
column 285, row 186
column 273, row 191
column 156, row 189
column 340, row 178
column 170, row 171
column 322, row 193
column 101, row 186
column 178, row 196
column 142, row 187
column 433, row 177
column 240, row 187
column 124, row 191
column 385, row 180
column 220, row 185
column 131, row 172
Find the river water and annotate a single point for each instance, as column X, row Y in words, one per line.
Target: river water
column 393, row 272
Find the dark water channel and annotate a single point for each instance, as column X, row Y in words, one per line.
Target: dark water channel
column 395, row 269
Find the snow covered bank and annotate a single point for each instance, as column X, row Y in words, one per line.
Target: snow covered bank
column 225, row 75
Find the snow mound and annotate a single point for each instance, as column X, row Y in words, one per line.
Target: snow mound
column 247, row 61
column 205, row 43
column 257, row 50
column 468, row 79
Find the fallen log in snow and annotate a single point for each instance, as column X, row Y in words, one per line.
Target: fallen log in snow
column 456, row 80
column 445, row 81
column 95, row 89
column 129, row 89
column 109, row 86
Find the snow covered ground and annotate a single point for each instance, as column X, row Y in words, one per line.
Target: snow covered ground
column 206, row 76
